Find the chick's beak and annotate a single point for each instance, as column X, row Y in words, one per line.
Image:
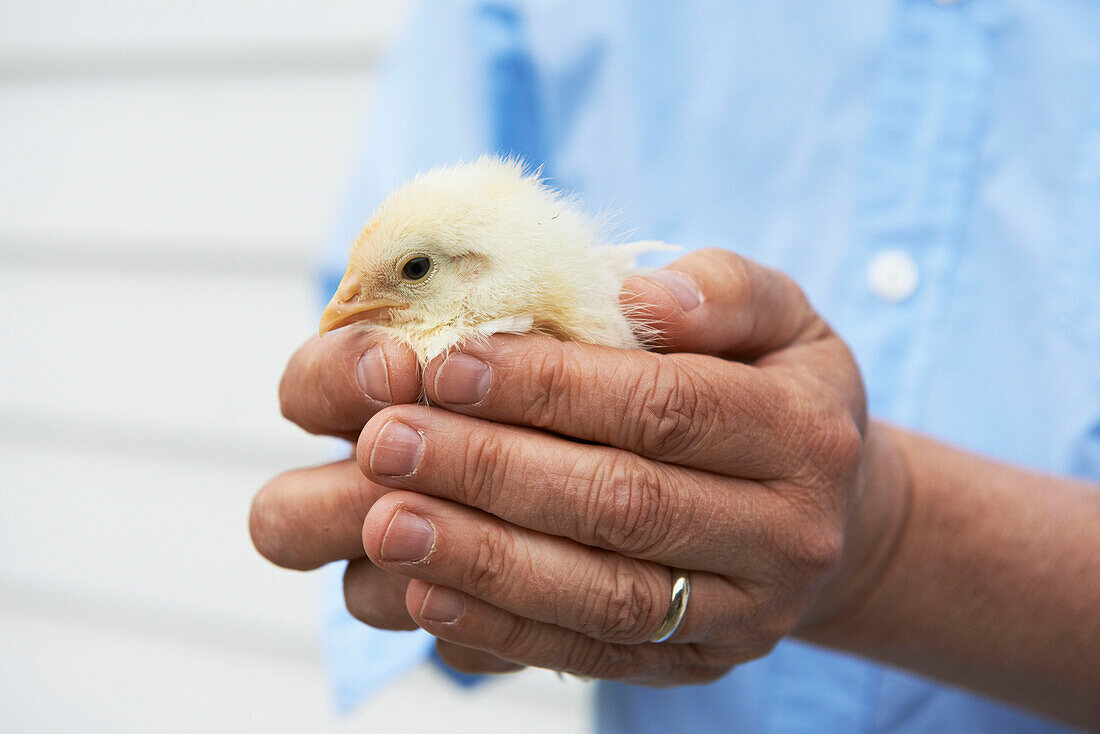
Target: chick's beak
column 348, row 306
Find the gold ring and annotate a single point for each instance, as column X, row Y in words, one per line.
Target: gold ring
column 677, row 608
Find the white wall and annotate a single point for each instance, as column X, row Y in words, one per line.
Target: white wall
column 164, row 169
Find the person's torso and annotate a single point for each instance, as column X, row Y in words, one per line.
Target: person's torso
column 929, row 173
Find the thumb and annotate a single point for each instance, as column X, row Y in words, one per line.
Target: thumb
column 717, row 302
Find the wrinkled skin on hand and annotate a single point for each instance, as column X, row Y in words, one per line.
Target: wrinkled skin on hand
column 532, row 515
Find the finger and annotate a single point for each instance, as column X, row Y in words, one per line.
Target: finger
column 305, row 518
column 376, row 597
column 685, row 409
column 541, row 645
column 470, row 660
column 333, row 385
column 599, row 496
column 717, row 302
column 602, row 595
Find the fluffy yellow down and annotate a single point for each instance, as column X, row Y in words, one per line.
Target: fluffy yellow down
column 507, row 254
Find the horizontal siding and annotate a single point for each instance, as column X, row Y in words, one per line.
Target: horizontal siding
column 83, row 28
column 169, row 172
column 262, row 162
column 159, row 537
column 155, row 356
column 187, row 63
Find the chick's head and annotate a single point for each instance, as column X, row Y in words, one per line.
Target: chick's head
column 456, row 247
column 408, row 278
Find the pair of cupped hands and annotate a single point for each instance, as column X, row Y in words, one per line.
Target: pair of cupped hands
column 536, row 513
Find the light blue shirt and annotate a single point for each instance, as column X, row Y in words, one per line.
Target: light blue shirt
column 929, row 173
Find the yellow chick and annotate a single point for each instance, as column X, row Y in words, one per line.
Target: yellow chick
column 471, row 250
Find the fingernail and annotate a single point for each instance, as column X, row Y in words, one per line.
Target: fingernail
column 462, row 380
column 374, row 376
column 443, row 605
column 408, row 539
column 680, row 286
column 396, row 451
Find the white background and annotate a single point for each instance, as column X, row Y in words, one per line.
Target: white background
column 167, row 173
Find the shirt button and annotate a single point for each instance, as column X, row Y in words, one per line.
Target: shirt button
column 892, row 275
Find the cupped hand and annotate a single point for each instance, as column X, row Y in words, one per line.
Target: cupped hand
column 307, row 517
column 539, row 512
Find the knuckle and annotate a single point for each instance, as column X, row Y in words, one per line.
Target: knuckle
column 823, row 548
column 631, row 508
column 847, row 445
column 814, row 551
column 834, row 439
column 738, row 275
column 549, row 376
column 490, row 572
column 486, row 459
column 624, row 610
column 716, row 255
column 740, row 271
column 518, row 639
column 789, row 285
column 666, row 412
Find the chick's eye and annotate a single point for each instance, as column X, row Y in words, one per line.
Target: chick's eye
column 416, row 268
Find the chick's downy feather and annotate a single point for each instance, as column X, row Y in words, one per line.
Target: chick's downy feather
column 466, row 251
